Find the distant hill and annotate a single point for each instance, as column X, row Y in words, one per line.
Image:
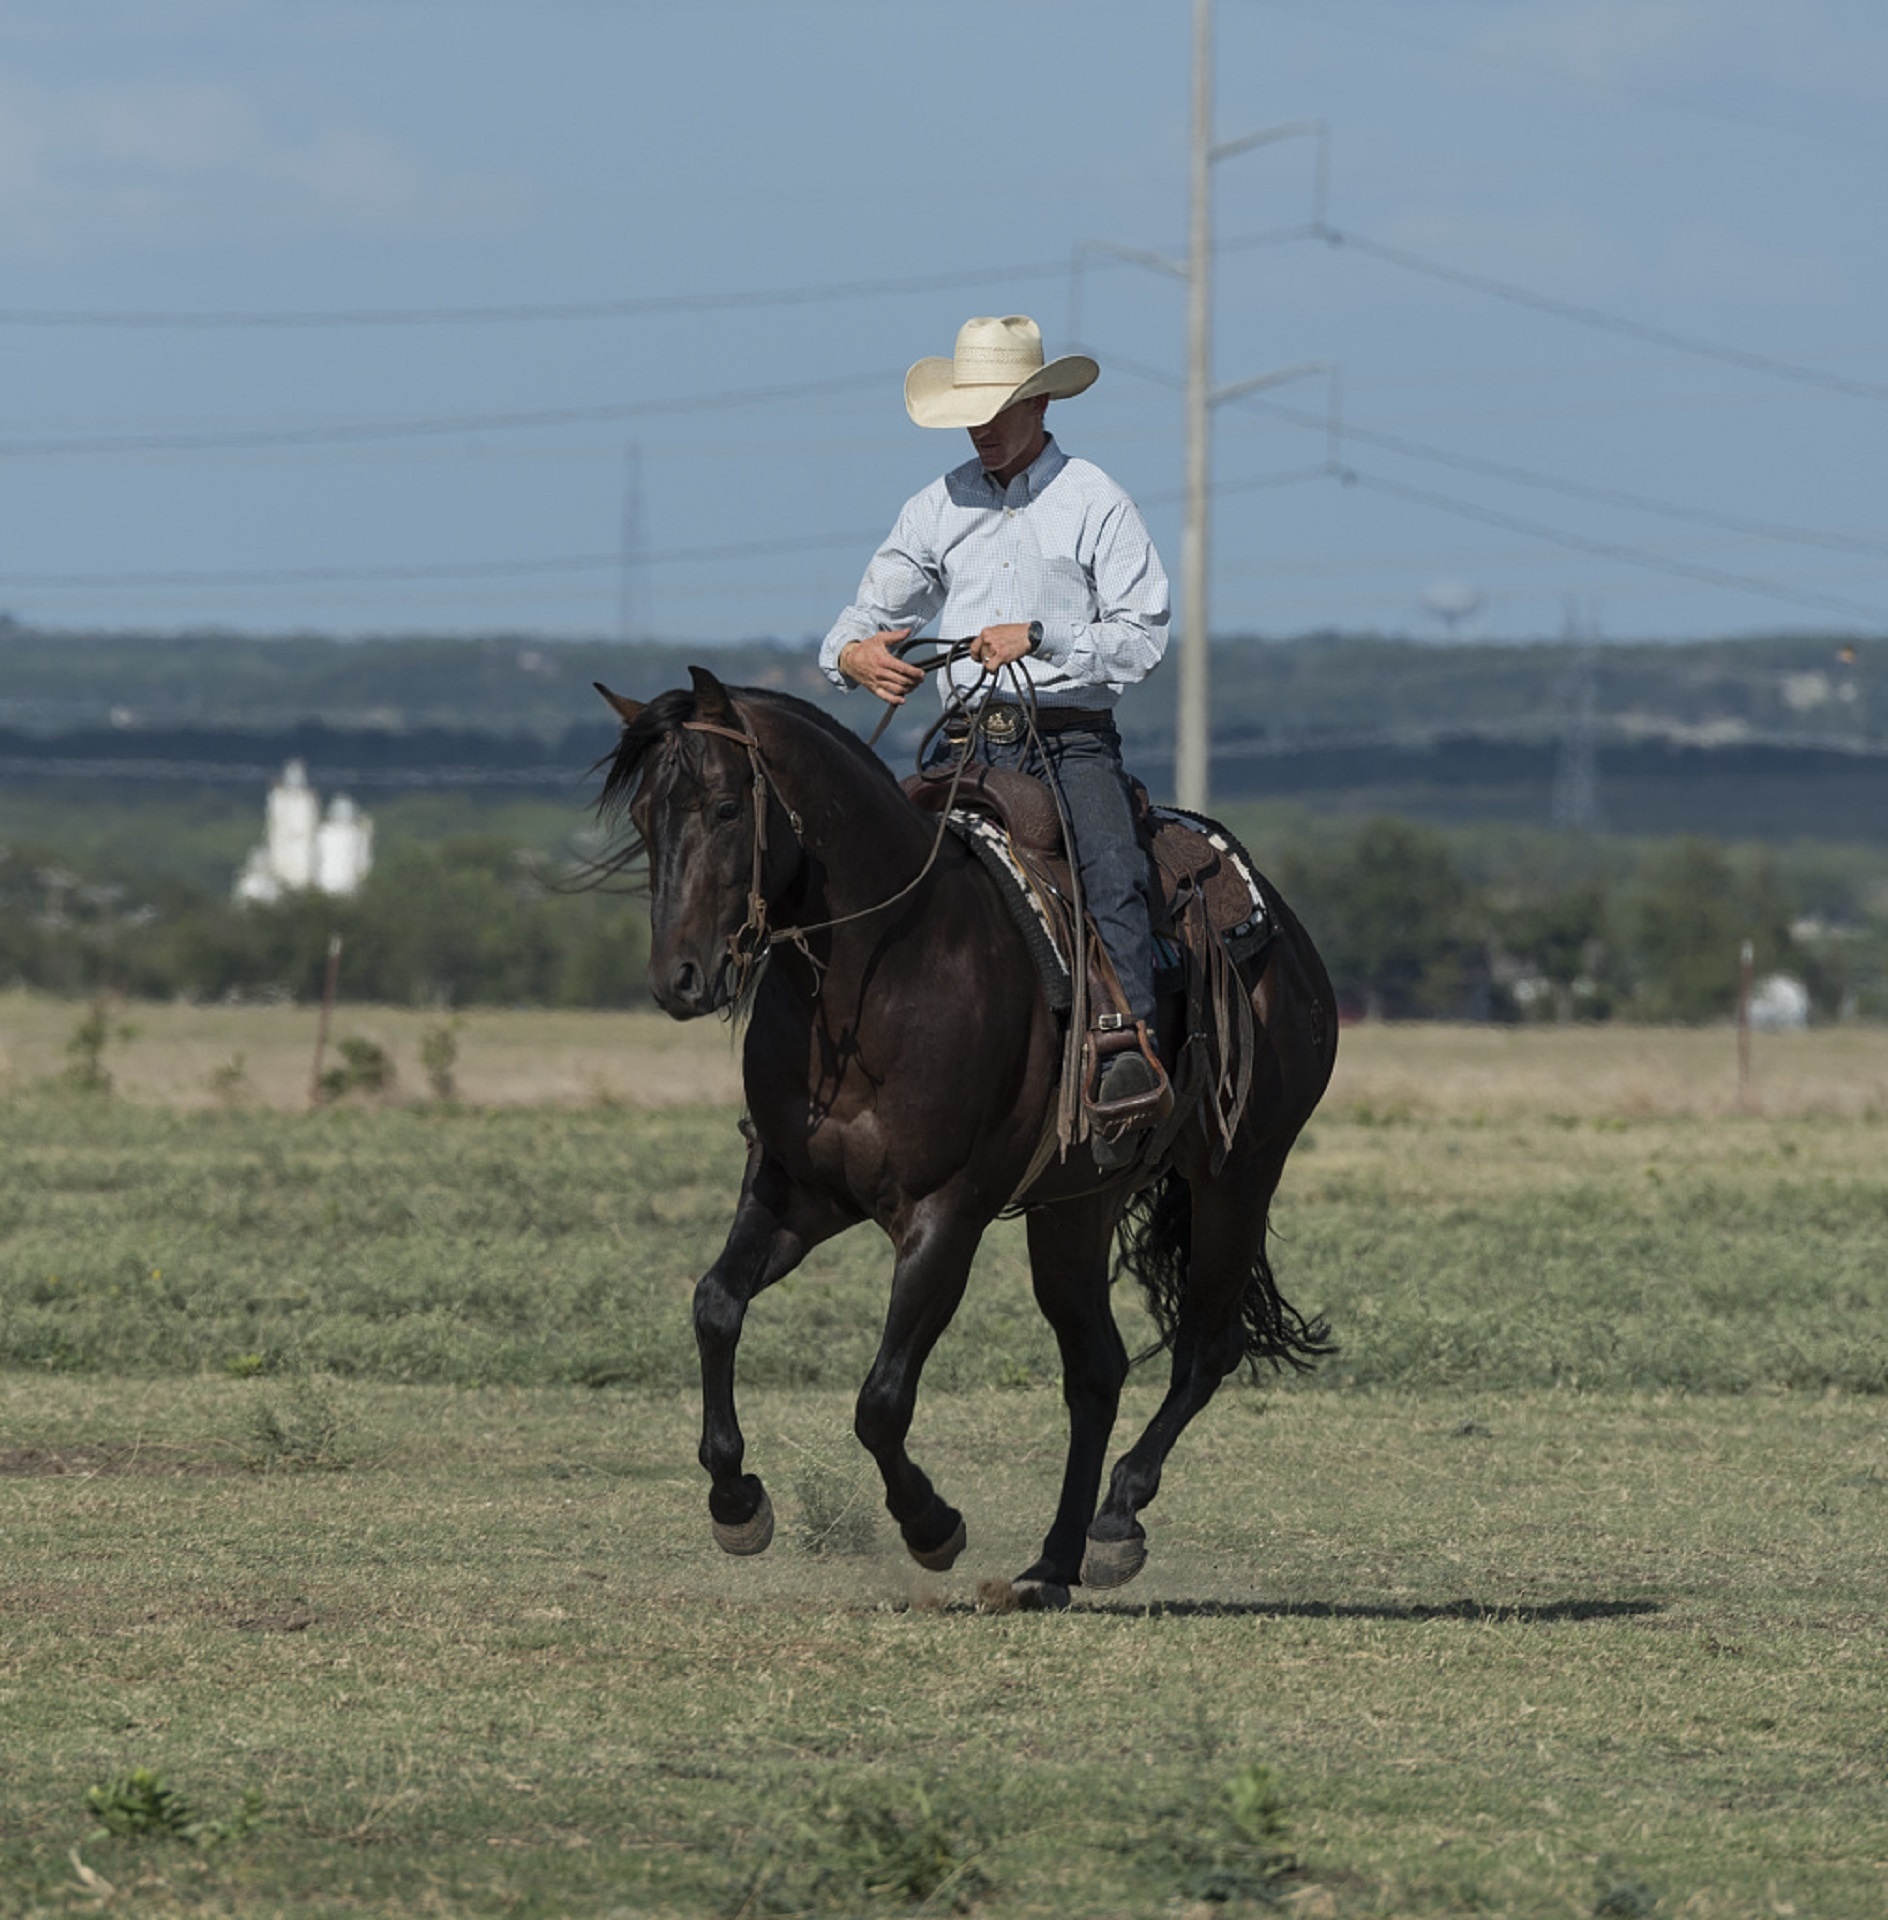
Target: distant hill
column 1775, row 737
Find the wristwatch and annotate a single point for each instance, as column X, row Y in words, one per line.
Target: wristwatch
column 1035, row 635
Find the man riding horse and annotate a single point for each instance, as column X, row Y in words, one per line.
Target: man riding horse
column 1047, row 562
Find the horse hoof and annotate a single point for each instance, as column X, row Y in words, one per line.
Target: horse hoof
column 1113, row 1563
column 751, row 1536
column 941, row 1559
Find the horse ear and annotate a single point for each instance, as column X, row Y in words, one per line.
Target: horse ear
column 627, row 710
column 711, row 698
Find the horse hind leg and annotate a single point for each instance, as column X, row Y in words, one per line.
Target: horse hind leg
column 1212, row 1243
column 1069, row 1250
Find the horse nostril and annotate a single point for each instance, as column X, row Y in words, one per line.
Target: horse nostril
column 685, row 981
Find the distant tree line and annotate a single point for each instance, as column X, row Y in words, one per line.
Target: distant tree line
column 1408, row 934
column 474, row 921
column 1407, row 926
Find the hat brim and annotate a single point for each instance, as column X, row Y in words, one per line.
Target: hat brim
column 933, row 400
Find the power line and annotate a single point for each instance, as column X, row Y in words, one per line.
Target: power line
column 430, row 570
column 1776, row 530
column 525, row 568
column 357, row 432
column 294, row 318
column 1615, row 549
column 305, row 319
column 1589, row 316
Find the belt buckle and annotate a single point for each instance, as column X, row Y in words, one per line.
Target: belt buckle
column 1001, row 724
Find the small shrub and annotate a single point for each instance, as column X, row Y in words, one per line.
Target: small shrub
column 439, row 1055
column 914, row 1850
column 1620, row 1897
column 866, row 1855
column 305, row 1432
column 86, row 1047
column 1235, row 1847
column 144, row 1805
column 230, row 1082
column 366, row 1067
column 836, row 1511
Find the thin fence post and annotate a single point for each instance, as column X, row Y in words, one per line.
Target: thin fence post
column 328, row 981
column 1745, row 960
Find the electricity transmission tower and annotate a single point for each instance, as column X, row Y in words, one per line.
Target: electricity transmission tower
column 1576, row 781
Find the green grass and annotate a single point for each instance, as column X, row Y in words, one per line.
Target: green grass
column 537, row 1248
column 1497, row 1655
column 325, row 1574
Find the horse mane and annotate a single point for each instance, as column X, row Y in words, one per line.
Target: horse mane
column 660, row 725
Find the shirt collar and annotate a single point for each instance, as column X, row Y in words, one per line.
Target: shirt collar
column 1032, row 480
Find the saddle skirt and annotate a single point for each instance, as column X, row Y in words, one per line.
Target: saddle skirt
column 1208, row 909
column 1009, row 821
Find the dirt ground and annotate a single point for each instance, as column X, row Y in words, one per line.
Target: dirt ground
column 188, row 1056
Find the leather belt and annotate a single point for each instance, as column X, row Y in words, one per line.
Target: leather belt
column 999, row 721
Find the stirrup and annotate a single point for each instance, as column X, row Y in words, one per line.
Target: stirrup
column 1112, row 1118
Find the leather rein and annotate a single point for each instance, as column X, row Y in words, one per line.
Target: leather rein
column 751, row 941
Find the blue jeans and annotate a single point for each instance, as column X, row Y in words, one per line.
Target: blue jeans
column 1085, row 763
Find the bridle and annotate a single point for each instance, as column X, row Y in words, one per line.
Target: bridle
column 749, row 944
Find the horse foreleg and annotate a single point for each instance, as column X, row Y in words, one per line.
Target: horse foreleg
column 1069, row 1254
column 933, row 1265
column 776, row 1225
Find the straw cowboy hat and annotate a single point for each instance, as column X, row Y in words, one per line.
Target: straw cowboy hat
column 997, row 363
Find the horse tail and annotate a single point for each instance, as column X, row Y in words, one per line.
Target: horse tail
column 1154, row 1244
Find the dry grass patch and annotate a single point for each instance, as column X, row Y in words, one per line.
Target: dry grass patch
column 1436, row 1071
column 200, row 1057
column 204, row 1056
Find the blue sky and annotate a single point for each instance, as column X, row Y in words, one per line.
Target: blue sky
column 1619, row 188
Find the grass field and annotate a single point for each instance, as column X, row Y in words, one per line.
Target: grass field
column 347, row 1457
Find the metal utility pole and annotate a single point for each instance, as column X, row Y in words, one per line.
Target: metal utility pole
column 1193, row 731
column 1192, row 742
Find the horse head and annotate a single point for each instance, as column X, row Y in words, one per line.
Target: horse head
column 687, row 772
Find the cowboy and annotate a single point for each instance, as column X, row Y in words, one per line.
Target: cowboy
column 1047, row 562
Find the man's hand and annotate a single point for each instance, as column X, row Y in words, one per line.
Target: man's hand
column 872, row 663
column 998, row 646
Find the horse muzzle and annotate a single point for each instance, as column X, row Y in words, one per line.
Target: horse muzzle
column 685, row 989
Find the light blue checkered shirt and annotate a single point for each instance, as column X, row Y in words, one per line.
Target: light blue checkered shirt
column 1061, row 544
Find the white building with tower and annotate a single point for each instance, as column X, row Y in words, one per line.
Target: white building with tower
column 332, row 854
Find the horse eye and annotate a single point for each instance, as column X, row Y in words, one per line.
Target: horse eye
column 726, row 810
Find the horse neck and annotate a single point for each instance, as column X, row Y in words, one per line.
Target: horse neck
column 862, row 838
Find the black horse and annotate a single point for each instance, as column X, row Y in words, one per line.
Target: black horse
column 901, row 1061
